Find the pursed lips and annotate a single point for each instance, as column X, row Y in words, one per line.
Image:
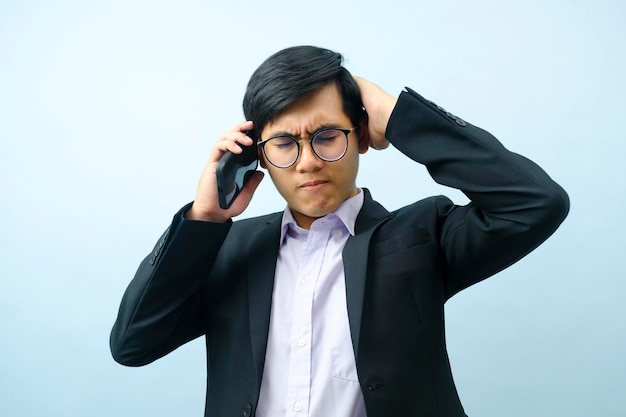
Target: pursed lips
column 312, row 185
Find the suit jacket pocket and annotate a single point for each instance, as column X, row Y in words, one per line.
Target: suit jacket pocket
column 400, row 242
column 344, row 365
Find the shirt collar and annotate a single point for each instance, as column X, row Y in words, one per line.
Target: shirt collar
column 347, row 213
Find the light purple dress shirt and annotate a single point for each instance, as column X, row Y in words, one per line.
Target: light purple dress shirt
column 310, row 368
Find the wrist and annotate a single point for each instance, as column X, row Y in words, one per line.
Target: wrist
column 196, row 214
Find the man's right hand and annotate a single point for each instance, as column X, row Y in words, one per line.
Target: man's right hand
column 206, row 206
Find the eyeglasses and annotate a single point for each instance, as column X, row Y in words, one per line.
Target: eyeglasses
column 329, row 145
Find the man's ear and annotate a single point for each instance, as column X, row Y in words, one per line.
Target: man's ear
column 364, row 136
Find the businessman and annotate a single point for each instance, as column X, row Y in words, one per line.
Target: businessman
column 333, row 306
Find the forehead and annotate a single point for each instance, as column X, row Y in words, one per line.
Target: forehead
column 321, row 108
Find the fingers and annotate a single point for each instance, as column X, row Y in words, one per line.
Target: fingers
column 244, row 198
column 379, row 105
column 380, row 144
column 231, row 141
column 360, row 80
column 206, row 204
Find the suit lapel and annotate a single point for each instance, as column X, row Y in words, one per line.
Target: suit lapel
column 264, row 251
column 355, row 262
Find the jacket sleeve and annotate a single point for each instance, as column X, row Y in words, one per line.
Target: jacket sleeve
column 161, row 308
column 514, row 204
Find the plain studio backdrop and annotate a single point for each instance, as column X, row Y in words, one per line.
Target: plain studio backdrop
column 108, row 111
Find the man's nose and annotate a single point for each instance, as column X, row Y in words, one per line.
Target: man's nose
column 308, row 161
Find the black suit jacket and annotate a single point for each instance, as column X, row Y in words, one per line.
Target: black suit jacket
column 400, row 268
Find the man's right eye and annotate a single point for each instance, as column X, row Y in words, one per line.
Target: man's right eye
column 282, row 143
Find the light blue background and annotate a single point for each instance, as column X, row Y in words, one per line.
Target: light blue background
column 108, row 111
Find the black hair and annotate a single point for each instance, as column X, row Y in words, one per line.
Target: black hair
column 292, row 73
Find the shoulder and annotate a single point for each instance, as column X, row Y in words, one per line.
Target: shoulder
column 258, row 220
column 427, row 213
column 254, row 229
column 427, row 209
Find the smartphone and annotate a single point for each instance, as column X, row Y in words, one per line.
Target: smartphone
column 233, row 172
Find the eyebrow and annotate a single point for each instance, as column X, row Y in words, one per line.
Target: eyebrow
column 308, row 132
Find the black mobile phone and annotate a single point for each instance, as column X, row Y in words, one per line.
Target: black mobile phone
column 233, row 172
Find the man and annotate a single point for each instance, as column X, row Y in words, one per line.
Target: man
column 333, row 307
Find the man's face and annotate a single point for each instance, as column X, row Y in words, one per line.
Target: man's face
column 313, row 187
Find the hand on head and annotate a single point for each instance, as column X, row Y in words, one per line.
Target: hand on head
column 378, row 104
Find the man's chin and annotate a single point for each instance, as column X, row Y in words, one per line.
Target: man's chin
column 313, row 212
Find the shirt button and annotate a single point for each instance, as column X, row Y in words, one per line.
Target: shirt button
column 297, row 406
column 301, row 342
column 305, row 281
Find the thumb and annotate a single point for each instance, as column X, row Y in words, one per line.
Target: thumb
column 252, row 184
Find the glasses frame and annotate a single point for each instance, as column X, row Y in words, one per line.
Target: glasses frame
column 346, row 132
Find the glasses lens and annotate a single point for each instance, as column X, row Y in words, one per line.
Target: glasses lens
column 281, row 151
column 330, row 144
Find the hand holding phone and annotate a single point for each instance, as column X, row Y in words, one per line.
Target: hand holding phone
column 233, row 172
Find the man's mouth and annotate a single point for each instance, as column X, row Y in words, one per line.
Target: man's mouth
column 312, row 185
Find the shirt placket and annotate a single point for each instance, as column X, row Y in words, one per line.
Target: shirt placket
column 299, row 380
